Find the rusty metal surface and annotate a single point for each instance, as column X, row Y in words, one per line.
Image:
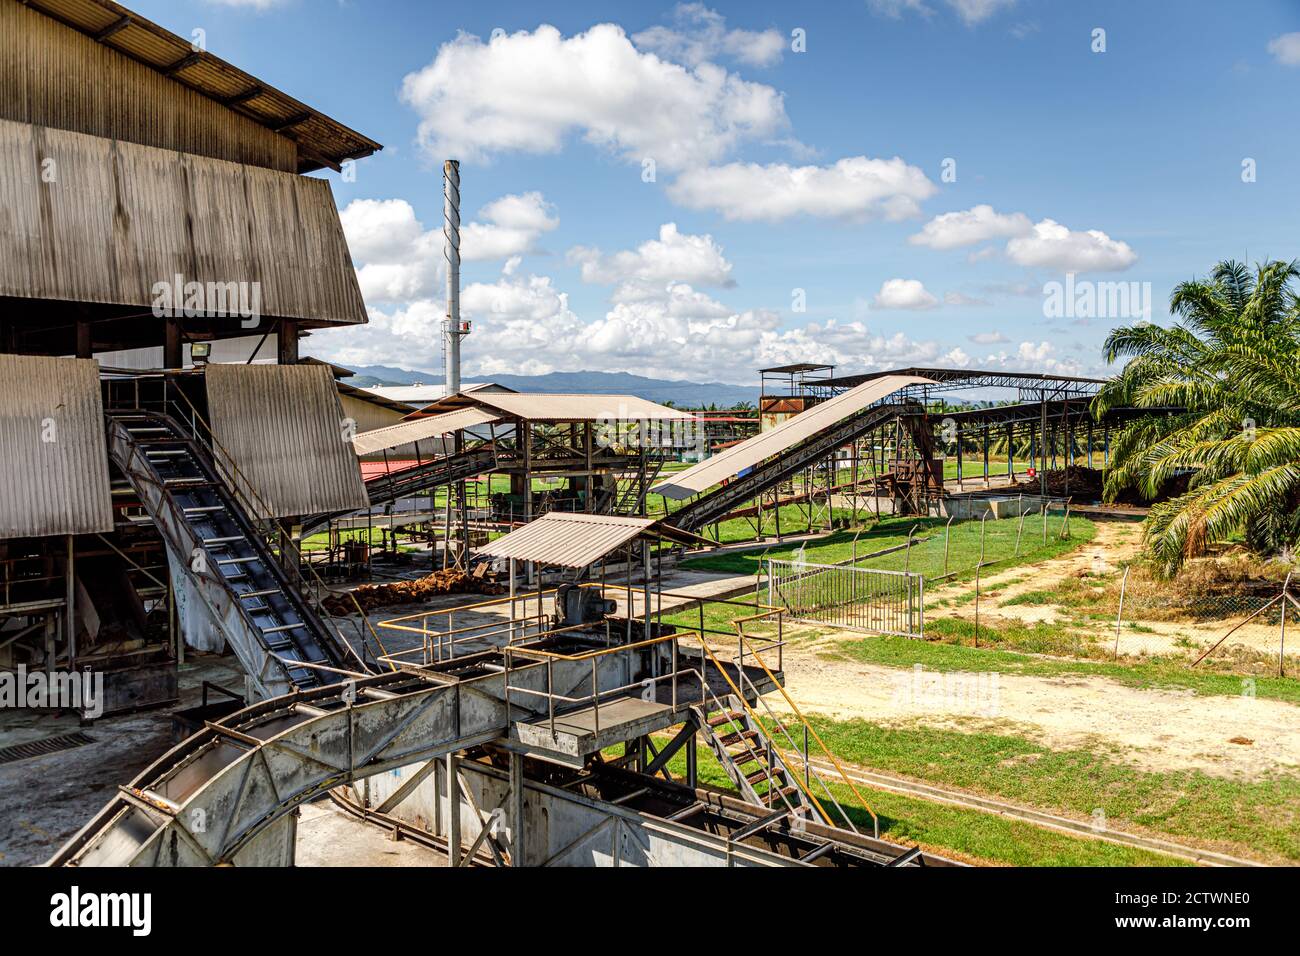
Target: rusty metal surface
column 566, row 540
column 419, row 429
column 122, row 218
column 53, row 454
column 734, row 460
column 142, row 83
column 283, row 426
column 578, row 408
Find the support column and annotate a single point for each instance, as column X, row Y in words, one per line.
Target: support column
column 516, row 810
column 453, row 810
column 173, row 344
column 287, row 343
column 84, row 347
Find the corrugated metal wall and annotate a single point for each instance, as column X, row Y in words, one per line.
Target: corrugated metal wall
column 53, row 454
column 283, row 425
column 118, row 218
column 52, row 75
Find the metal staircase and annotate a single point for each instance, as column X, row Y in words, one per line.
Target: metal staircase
column 747, row 755
column 409, row 481
column 212, row 539
column 713, row 505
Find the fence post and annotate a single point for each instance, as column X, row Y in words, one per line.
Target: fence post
column 977, row 605
column 947, row 534
column 1044, row 522
column 1281, row 645
column 1119, row 615
column 983, row 518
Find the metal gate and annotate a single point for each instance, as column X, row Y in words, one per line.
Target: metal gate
column 860, row 599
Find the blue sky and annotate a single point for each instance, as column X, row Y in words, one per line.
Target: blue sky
column 779, row 170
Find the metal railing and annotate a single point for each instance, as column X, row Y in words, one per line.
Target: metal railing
column 862, row 599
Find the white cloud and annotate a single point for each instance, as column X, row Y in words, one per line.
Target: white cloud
column 673, row 256
column 988, row 338
column 855, row 188
column 399, row 259
column 510, row 227
column 977, row 11
column 529, row 91
column 1051, row 245
column 700, row 35
column 1044, row 244
column 968, row 227
column 893, row 9
column 970, row 11
column 1286, row 49
column 961, row 298
column 258, row 5
column 904, row 294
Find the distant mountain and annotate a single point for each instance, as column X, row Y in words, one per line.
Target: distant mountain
column 682, row 394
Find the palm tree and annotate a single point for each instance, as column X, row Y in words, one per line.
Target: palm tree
column 1229, row 370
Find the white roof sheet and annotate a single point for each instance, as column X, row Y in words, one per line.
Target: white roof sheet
column 734, row 460
column 418, row 429
column 579, row 408
column 567, row 540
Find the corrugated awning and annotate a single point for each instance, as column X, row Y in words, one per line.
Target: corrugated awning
column 567, row 540
column 578, row 408
column 282, row 424
column 125, row 234
column 790, row 432
column 418, row 429
column 53, row 453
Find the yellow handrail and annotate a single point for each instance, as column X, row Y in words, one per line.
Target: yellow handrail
column 802, row 720
column 754, row 717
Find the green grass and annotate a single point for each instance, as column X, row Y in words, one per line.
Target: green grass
column 927, row 557
column 965, row 834
column 1250, row 817
column 1012, row 649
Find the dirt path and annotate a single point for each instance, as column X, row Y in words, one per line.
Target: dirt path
column 1155, row 730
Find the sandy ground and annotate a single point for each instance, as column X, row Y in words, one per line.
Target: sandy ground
column 1152, row 729
column 1155, row 730
column 1114, row 543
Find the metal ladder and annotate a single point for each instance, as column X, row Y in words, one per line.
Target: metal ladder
column 211, row 536
column 746, row 753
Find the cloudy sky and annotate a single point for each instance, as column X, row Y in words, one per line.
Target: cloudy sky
column 694, row 191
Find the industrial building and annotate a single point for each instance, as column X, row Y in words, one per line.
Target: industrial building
column 168, row 450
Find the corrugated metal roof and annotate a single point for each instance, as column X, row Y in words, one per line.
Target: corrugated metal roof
column 53, row 453
column 284, row 427
column 790, row 432
column 424, row 394
column 418, row 429
column 578, row 408
column 566, row 540
column 128, row 217
column 320, row 140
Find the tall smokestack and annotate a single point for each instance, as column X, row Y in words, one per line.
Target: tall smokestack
column 451, row 249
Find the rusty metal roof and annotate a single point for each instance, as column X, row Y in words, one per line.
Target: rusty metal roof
column 139, row 216
column 567, row 540
column 737, row 458
column 418, row 429
column 536, row 407
column 284, row 427
column 321, row 141
column 53, row 453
